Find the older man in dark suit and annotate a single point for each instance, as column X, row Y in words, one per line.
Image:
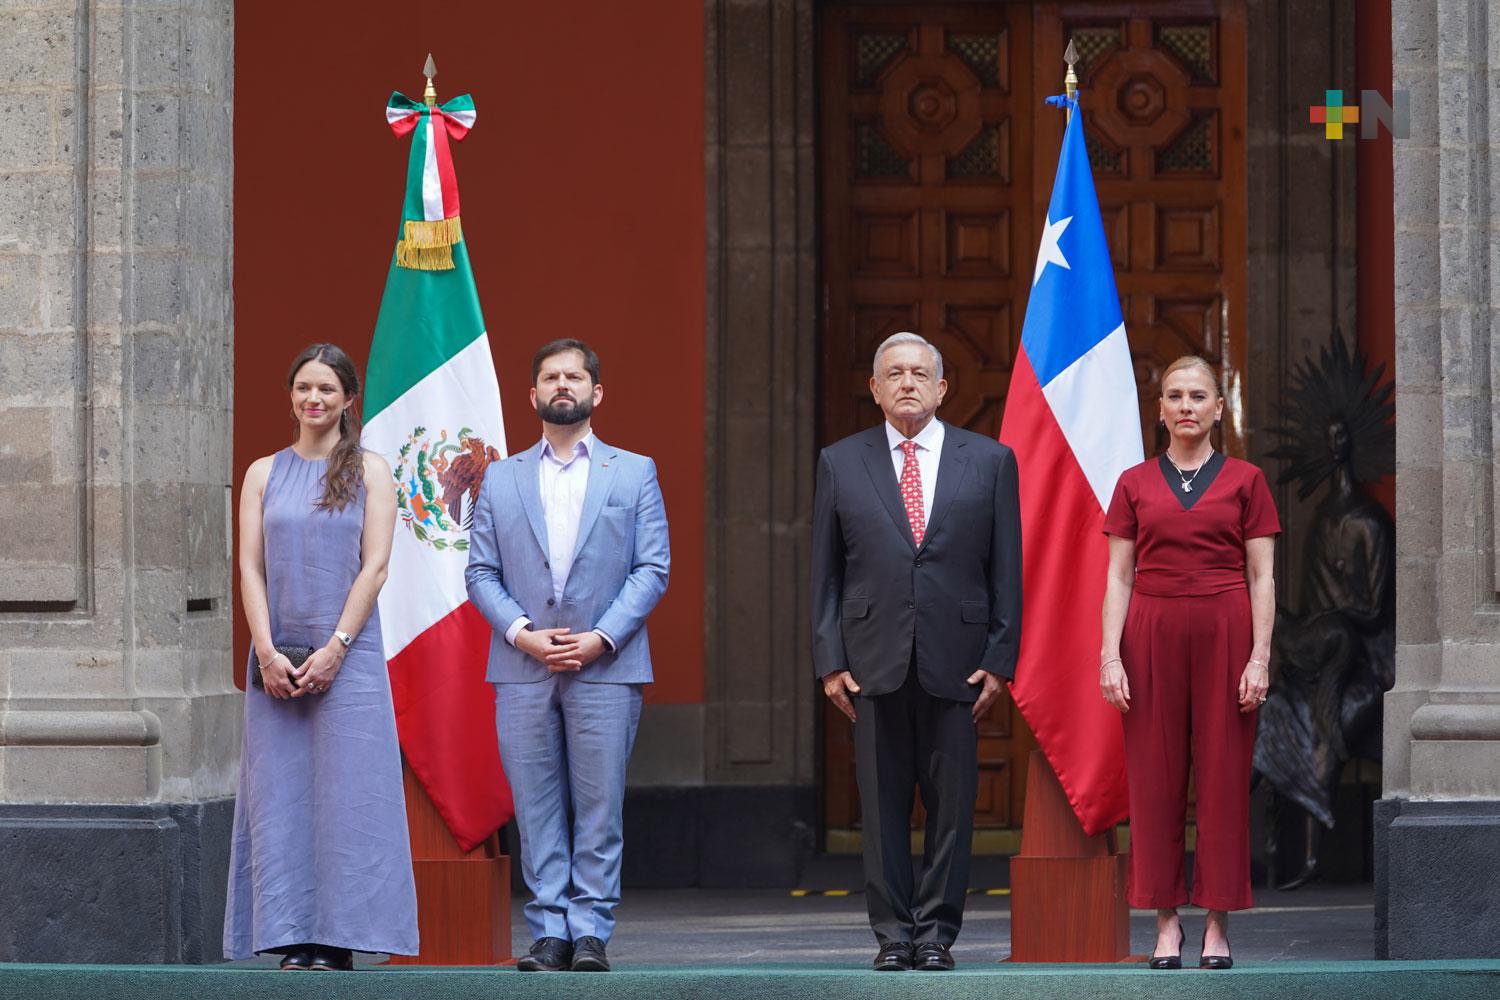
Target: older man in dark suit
column 916, row 608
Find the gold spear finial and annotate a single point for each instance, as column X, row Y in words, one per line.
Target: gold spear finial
column 1070, row 79
column 429, row 70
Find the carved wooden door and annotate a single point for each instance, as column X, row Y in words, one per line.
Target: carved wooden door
column 938, row 162
column 927, row 201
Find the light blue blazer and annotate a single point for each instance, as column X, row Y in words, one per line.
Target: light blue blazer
column 619, row 568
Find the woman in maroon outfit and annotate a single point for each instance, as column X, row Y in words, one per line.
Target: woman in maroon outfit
column 1188, row 609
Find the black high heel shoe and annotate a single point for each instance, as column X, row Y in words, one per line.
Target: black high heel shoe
column 1213, row 961
column 1170, row 961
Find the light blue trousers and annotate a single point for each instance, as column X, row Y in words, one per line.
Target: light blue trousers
column 565, row 744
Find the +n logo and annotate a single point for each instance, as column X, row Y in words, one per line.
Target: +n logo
column 1333, row 114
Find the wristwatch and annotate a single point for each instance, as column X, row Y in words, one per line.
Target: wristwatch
column 344, row 637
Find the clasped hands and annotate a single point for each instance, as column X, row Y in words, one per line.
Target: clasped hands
column 1115, row 687
column 560, row 650
column 840, row 684
column 317, row 672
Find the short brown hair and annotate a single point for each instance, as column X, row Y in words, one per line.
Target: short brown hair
column 590, row 359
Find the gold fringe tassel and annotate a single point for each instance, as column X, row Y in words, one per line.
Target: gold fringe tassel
column 429, row 245
column 440, row 233
column 420, row 258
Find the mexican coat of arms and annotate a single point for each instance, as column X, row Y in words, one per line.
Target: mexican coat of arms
column 437, row 485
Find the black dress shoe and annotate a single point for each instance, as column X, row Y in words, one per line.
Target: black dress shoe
column 1214, row 961
column 298, row 959
column 332, row 960
column 933, row 957
column 894, row 957
column 588, row 955
column 548, row 954
column 1170, row 961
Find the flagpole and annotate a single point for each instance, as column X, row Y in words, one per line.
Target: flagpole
column 1068, row 901
column 1070, row 79
column 431, row 373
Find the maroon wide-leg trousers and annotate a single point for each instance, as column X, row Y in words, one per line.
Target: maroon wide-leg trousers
column 1183, row 659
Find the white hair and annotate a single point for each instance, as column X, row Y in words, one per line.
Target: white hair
column 907, row 337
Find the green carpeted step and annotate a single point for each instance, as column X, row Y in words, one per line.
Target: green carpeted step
column 1449, row 980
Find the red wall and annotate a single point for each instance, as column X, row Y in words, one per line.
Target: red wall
column 1376, row 203
column 583, row 208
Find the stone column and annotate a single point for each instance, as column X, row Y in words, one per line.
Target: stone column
column 762, row 360
column 119, row 725
column 729, row 792
column 1438, row 826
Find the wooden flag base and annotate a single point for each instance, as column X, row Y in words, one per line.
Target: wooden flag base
column 463, row 899
column 1067, row 890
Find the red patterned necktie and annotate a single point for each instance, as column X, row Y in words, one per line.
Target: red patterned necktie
column 911, row 490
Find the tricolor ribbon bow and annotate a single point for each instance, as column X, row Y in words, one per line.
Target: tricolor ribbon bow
column 429, row 215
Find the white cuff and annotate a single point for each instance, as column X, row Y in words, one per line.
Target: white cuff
column 515, row 629
column 608, row 640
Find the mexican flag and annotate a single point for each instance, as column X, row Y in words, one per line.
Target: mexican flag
column 432, row 408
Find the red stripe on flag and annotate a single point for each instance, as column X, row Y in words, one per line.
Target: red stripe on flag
column 401, row 126
column 1065, row 557
column 445, row 717
column 456, row 128
column 446, row 176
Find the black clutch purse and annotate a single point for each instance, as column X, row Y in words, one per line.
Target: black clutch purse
column 296, row 655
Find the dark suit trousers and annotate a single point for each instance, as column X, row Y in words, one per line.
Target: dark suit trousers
column 902, row 739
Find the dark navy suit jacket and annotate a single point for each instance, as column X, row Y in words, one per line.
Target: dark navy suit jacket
column 877, row 596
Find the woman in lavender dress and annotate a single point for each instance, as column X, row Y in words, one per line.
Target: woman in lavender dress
column 320, row 863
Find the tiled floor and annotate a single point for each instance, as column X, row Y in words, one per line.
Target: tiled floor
column 699, row 927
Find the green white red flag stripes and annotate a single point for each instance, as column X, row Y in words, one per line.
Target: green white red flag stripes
column 432, row 408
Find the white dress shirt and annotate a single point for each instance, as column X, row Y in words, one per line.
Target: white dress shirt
column 564, row 481
column 929, row 449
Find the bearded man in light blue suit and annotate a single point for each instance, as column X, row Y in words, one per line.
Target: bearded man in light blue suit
column 567, row 556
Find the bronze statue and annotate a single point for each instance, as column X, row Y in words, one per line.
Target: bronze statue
column 1336, row 658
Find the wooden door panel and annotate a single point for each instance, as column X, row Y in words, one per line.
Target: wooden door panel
column 976, row 244
column 927, row 210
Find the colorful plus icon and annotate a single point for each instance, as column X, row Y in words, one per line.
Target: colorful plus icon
column 1333, row 114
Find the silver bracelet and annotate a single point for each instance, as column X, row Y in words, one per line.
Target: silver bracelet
column 1112, row 659
column 1261, row 662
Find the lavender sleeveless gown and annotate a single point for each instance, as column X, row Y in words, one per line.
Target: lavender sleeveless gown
column 320, row 851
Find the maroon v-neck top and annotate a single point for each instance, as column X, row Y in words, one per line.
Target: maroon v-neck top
column 1197, row 551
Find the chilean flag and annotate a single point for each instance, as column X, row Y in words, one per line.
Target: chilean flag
column 1071, row 418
